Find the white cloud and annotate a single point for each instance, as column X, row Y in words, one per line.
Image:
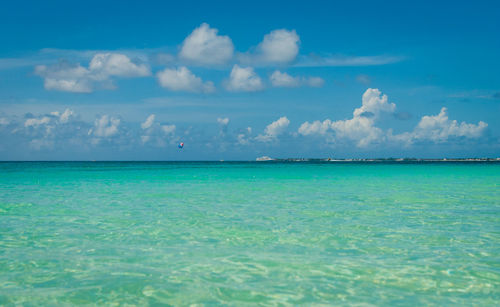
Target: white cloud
column 278, row 47
column 223, row 121
column 66, row 78
column 104, row 65
column 154, row 132
column 149, row 122
column 362, row 130
column 439, row 128
column 374, row 102
column 277, row 127
column 105, row 127
column 204, row 46
column 274, row 129
column 63, row 117
column 45, row 131
column 361, row 127
column 316, row 127
column 314, row 81
column 78, row 79
column 242, row 139
column 35, row 122
column 279, row 79
column 53, row 118
column 168, row 129
column 243, row 79
column 339, row 61
column 182, row 79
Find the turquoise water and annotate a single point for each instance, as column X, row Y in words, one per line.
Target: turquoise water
column 250, row 233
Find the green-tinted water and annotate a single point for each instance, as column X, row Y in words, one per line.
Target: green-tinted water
column 250, row 233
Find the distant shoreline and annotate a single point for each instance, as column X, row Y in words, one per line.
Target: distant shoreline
column 385, row 160
column 272, row 160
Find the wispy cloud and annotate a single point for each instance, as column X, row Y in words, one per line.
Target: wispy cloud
column 475, row 94
column 313, row 60
column 282, row 79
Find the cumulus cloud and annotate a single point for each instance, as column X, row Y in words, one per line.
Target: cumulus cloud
column 361, row 127
column 282, row 79
column 439, row 128
column 168, row 129
column 274, row 129
column 104, row 65
column 182, row 79
column 362, row 130
column 223, row 121
column 374, row 102
column 279, row 79
column 204, row 46
column 316, row 127
column 64, row 116
column 53, row 117
column 105, row 127
column 243, row 79
column 155, row 133
column 242, row 139
column 65, row 77
column 65, row 132
column 44, row 131
column 223, row 127
column 149, row 122
column 102, row 68
column 35, row 122
column 278, row 47
column 244, row 136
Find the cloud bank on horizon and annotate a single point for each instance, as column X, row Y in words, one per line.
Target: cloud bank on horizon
column 58, row 130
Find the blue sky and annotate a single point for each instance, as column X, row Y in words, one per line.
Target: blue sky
column 101, row 80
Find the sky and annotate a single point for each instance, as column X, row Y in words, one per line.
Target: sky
column 130, row 80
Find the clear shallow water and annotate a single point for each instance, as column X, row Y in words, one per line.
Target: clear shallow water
column 250, row 233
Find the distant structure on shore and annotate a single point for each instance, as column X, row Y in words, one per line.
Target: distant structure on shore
column 264, row 158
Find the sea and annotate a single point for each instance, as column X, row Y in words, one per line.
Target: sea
column 250, row 233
